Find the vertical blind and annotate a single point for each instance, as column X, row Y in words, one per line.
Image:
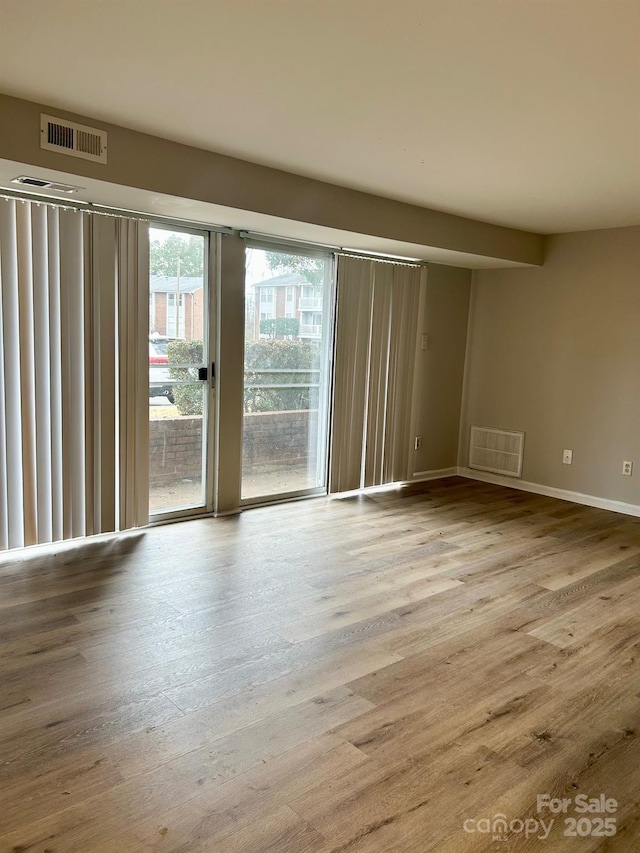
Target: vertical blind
column 133, row 278
column 60, row 282
column 376, row 338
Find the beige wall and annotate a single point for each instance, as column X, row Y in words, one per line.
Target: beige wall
column 158, row 165
column 555, row 352
column 440, row 368
column 230, row 373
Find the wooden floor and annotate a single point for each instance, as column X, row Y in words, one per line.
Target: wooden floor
column 369, row 675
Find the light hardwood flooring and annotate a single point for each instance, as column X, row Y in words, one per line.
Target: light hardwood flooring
column 330, row 676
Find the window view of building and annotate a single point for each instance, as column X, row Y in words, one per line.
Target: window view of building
column 176, row 306
column 176, row 397
column 288, row 296
column 286, row 372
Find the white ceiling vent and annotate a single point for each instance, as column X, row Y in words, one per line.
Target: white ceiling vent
column 41, row 183
column 497, row 450
column 76, row 140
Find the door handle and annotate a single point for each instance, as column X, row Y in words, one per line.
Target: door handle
column 203, row 373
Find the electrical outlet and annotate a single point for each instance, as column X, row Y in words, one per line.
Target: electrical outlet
column 425, row 342
column 627, row 468
column 567, row 457
column 417, row 444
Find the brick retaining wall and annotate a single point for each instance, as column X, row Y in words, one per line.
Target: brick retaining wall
column 175, row 450
column 274, row 439
column 271, row 440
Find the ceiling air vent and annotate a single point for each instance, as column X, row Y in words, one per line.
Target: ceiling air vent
column 76, row 140
column 41, row 183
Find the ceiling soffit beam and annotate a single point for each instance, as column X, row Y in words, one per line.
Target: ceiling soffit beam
column 158, row 165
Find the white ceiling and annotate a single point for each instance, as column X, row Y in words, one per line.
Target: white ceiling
column 519, row 112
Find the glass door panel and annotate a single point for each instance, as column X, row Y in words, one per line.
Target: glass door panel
column 286, row 371
column 178, row 389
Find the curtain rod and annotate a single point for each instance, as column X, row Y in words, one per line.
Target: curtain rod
column 382, row 259
column 106, row 210
column 363, row 254
column 259, row 237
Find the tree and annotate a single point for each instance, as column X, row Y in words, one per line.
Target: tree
column 310, row 268
column 164, row 256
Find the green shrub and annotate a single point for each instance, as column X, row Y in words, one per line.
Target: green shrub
column 274, row 354
column 188, row 398
column 265, row 355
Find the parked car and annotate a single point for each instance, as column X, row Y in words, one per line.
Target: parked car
column 159, row 376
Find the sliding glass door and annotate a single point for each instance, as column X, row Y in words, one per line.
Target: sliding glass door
column 288, row 327
column 178, row 376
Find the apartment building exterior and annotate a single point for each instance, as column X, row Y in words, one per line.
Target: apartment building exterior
column 289, row 296
column 176, row 306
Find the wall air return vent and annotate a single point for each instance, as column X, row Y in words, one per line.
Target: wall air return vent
column 497, row 450
column 76, row 140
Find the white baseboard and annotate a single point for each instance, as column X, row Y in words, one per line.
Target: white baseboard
column 422, row 476
column 551, row 492
column 497, row 480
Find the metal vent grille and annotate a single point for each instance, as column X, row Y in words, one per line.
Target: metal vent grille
column 61, row 137
column 41, row 183
column 497, row 450
column 75, row 140
column 90, row 143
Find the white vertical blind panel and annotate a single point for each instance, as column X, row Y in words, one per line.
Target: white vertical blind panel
column 126, row 330
column 73, row 398
column 65, row 397
column 73, row 252
column 55, row 375
column 402, row 354
column 133, row 294
column 43, row 411
column 27, row 383
column 378, row 374
column 14, row 534
column 91, row 413
column 417, row 355
column 353, row 322
column 59, row 355
column 4, row 517
column 104, row 358
column 376, row 340
column 42, row 372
